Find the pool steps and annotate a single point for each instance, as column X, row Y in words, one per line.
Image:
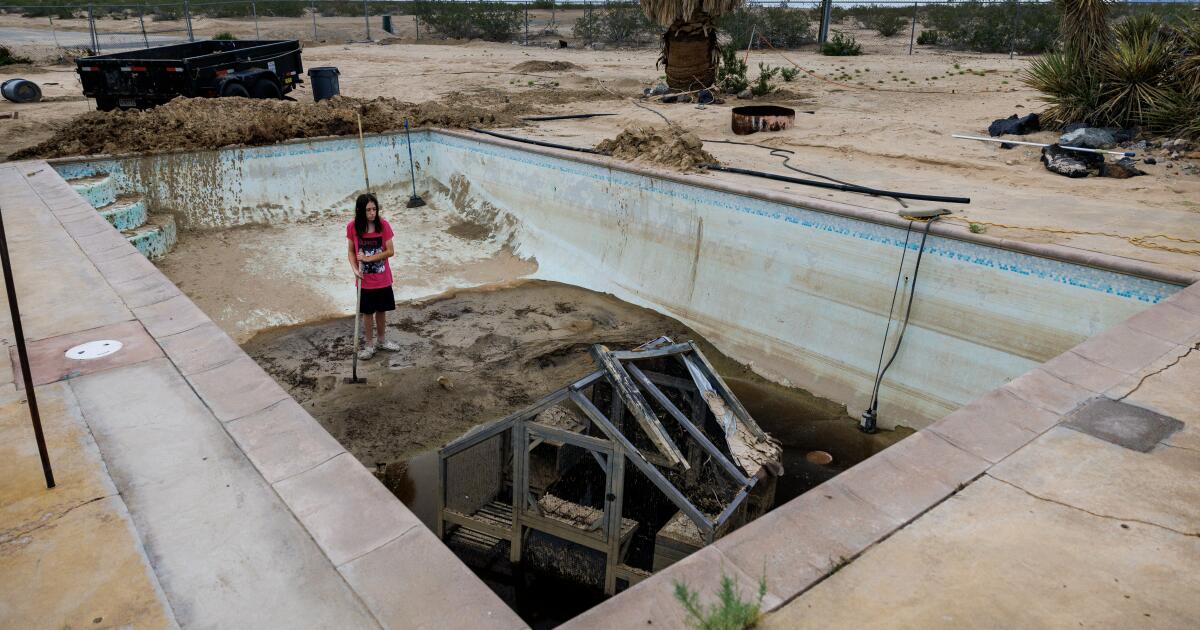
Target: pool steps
column 152, row 234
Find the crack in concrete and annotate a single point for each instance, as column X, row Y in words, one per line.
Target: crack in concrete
column 6, row 539
column 1182, row 448
column 1195, row 346
column 1096, row 514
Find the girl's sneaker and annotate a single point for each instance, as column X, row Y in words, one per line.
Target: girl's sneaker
column 366, row 353
column 390, row 346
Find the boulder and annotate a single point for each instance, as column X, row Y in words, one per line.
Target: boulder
column 745, row 94
column 1014, row 125
column 1069, row 163
column 1089, row 138
column 1123, row 168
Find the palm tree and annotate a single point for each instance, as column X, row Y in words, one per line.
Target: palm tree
column 689, row 51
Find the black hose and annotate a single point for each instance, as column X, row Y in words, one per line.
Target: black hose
column 842, row 187
column 537, row 142
column 891, row 309
column 563, row 117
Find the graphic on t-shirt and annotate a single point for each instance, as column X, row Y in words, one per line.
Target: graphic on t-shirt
column 371, row 246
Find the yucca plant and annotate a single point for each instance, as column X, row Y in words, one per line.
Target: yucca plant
column 1066, row 84
column 690, row 51
column 1135, row 71
column 1083, row 26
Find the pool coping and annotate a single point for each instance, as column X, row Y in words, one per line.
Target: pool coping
column 850, row 513
column 1062, row 253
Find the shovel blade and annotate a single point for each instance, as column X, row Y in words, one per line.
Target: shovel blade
column 350, row 380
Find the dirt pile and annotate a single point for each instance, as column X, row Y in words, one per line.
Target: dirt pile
column 545, row 66
column 666, row 146
column 209, row 123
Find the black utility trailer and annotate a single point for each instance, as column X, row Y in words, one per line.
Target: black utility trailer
column 152, row 76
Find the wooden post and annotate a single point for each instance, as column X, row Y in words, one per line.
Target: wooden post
column 520, row 487
column 615, row 504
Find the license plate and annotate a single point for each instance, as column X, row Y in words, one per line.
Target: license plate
column 127, row 102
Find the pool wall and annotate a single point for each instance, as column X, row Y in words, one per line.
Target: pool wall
column 799, row 288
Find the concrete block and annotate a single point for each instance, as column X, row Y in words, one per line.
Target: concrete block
column 1082, row 372
column 146, row 290
column 901, row 492
column 171, row 316
column 1188, row 299
column 226, row 549
column 1122, row 424
column 237, row 389
column 1123, row 349
column 1168, row 322
column 990, row 436
column 128, row 266
column 201, row 348
column 283, row 440
column 1047, row 391
column 1005, row 404
column 345, row 509
column 100, row 241
column 446, row 595
column 48, row 362
column 87, row 225
column 652, row 603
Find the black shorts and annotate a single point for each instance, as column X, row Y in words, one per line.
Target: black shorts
column 377, row 301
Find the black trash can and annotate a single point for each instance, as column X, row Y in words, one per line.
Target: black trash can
column 324, row 82
column 387, row 24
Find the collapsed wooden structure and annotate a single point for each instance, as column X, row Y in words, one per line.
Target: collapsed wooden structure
column 536, row 475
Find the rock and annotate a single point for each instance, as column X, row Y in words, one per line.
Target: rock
column 704, row 97
column 1089, row 138
column 445, row 383
column 745, row 94
column 1069, row 163
column 670, row 98
column 659, row 89
column 1014, row 125
column 1140, row 145
column 1150, row 160
column 684, row 98
column 1123, row 168
column 1169, row 165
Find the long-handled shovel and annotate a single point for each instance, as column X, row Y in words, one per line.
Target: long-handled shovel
column 354, row 379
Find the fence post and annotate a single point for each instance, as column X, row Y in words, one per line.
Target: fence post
column 92, row 29
column 367, row 18
column 187, row 20
column 52, row 33
column 912, row 37
column 1012, row 35
column 312, row 5
column 417, row 26
column 254, row 12
column 526, row 23
column 142, row 23
column 826, row 13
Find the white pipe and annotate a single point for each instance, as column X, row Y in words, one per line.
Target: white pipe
column 1039, row 144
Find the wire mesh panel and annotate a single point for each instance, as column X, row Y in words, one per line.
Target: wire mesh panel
column 476, row 476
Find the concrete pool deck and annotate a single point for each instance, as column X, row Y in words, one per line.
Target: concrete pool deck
column 193, row 492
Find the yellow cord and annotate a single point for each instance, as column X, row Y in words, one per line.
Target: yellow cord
column 1144, row 240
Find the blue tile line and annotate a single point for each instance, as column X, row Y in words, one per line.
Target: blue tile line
column 1081, row 276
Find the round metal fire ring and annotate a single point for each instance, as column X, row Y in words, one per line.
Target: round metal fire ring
column 820, row 458
column 94, row 349
column 749, row 119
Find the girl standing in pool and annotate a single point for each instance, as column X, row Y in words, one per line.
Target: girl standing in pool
column 369, row 248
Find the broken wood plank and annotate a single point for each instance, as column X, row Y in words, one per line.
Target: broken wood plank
column 665, row 351
column 624, row 386
column 727, row 393
column 715, row 402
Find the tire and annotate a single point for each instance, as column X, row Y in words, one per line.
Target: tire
column 106, row 103
column 266, row 88
column 235, row 89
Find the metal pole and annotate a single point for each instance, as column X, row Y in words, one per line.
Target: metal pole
column 367, row 18
column 417, row 26
column 92, row 28
column 1012, row 35
column 187, row 20
column 254, row 12
column 912, row 37
column 23, row 355
column 826, row 13
column 142, row 22
column 52, row 33
column 526, row 23
column 312, row 4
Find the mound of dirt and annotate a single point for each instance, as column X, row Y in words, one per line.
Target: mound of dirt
column 209, row 123
column 665, row 146
column 545, row 66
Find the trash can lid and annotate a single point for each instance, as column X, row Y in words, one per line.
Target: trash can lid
column 323, row 70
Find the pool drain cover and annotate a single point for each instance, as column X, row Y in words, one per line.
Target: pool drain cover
column 94, row 349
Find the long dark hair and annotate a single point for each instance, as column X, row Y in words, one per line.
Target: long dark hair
column 360, row 213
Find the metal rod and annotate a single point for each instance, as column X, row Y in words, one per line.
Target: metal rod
column 254, row 12
column 367, row 18
column 912, row 36
column 187, row 17
column 92, row 28
column 142, row 23
column 23, row 356
column 313, row 7
column 412, row 169
column 826, row 12
column 1042, row 144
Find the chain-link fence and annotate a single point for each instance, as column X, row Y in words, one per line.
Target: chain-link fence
column 875, row 26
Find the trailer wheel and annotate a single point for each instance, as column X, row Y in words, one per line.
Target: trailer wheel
column 106, row 103
column 266, row 88
column 235, row 89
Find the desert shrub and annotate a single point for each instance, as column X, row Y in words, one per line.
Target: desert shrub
column 7, row 57
column 789, row 74
column 1141, row 70
column 995, row 27
column 731, row 71
column 225, row 35
column 614, row 23
column 543, row 4
column 492, row 21
column 228, row 10
column 841, row 45
column 763, row 86
column 781, row 26
column 283, row 8
column 887, row 21
column 927, row 38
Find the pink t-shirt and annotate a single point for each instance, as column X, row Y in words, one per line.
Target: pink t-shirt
column 377, row 274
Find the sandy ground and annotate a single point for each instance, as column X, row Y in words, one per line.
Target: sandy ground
column 897, row 139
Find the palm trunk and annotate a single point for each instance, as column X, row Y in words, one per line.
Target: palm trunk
column 690, row 53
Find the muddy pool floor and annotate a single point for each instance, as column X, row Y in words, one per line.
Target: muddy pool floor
column 474, row 356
